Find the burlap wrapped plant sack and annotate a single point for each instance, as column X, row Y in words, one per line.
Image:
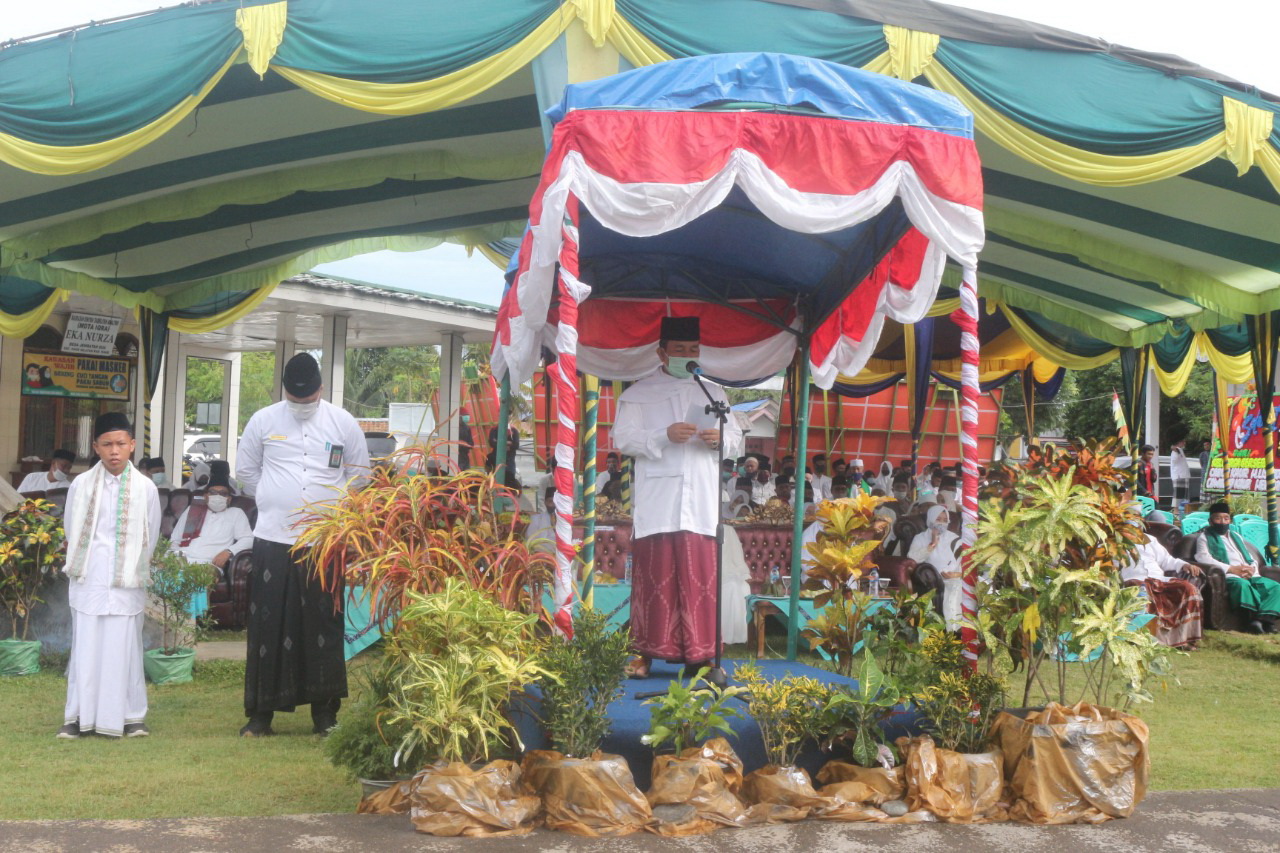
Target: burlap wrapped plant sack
column 956, row 787
column 780, row 795
column 1082, row 764
column 874, row 785
column 394, row 799
column 594, row 796
column 455, row 799
column 704, row 777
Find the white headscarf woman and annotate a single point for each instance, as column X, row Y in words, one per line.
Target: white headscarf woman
column 885, row 480
column 890, row 542
column 936, row 546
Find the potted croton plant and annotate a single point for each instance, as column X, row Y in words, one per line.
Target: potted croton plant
column 952, row 771
column 175, row 583
column 31, row 539
column 1053, row 536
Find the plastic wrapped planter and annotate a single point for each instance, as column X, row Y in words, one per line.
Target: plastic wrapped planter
column 162, row 668
column 460, row 800
column 705, row 778
column 956, row 787
column 19, row 657
column 594, row 796
column 1082, row 764
column 874, row 785
column 382, row 797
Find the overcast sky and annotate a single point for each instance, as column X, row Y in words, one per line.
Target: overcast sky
column 1233, row 37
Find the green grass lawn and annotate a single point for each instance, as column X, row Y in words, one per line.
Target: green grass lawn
column 1211, row 731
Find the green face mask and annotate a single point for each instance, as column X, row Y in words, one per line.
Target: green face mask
column 678, row 367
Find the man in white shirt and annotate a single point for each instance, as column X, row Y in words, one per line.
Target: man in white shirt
column 610, row 471
column 540, row 534
column 1174, row 600
column 301, row 451
column 112, row 520
column 1180, row 474
column 819, row 479
column 212, row 531
column 1256, row 597
column 57, row 477
column 677, row 484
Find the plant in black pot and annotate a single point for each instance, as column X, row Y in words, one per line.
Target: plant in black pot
column 31, row 541
column 175, row 582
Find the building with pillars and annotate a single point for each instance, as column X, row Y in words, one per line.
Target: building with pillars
column 307, row 312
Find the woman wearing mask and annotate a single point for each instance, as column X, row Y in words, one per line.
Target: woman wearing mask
column 936, row 546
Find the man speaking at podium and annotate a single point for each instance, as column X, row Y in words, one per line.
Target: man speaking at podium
column 662, row 422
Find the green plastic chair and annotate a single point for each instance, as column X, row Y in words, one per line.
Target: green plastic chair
column 1254, row 532
column 1148, row 505
column 1194, row 523
column 1242, row 517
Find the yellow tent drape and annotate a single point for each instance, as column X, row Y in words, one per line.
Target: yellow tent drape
column 1075, row 163
column 22, row 325
column 422, row 96
column 263, row 30
column 1054, row 353
column 202, row 325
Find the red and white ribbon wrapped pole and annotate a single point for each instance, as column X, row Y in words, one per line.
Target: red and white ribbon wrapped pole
column 966, row 317
column 564, row 373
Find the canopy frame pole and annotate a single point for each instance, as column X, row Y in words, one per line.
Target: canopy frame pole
column 504, row 427
column 966, row 317
column 591, row 414
column 797, row 529
column 1262, row 334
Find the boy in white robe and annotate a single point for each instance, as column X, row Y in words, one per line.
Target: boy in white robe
column 112, row 522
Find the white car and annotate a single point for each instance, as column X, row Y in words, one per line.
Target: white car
column 204, row 447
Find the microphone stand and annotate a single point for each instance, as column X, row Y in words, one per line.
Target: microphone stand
column 717, row 675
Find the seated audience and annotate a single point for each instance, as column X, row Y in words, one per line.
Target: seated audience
column 1176, row 602
column 212, row 531
column 1256, row 597
column 58, row 475
column 936, row 546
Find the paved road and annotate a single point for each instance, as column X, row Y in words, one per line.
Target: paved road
column 1240, row 820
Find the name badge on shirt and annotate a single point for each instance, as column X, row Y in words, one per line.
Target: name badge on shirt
column 335, row 455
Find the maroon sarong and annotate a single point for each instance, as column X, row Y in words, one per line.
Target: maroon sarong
column 673, row 596
column 1177, row 605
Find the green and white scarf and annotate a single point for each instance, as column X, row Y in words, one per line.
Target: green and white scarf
column 1218, row 548
column 132, row 559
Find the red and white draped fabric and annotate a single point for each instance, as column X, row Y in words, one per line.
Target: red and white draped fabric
column 966, row 317
column 645, row 173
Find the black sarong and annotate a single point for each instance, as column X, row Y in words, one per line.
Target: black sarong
column 295, row 651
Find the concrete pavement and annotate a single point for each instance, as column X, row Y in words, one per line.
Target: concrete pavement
column 1235, row 820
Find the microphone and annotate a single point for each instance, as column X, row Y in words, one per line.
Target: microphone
column 693, row 367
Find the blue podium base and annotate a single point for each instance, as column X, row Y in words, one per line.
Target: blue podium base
column 630, row 719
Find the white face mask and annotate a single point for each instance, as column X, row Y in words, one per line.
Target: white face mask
column 59, row 476
column 303, row 411
column 217, row 503
column 157, row 478
column 900, row 494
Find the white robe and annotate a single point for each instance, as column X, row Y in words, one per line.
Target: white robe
column 106, row 689
column 38, row 481
column 942, row 557
column 677, row 486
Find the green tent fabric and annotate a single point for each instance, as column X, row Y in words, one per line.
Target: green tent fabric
column 80, row 89
column 391, row 41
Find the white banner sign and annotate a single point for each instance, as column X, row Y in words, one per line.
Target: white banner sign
column 91, row 334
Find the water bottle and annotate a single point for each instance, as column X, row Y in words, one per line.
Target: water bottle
column 775, row 581
column 873, row 582
column 627, row 573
